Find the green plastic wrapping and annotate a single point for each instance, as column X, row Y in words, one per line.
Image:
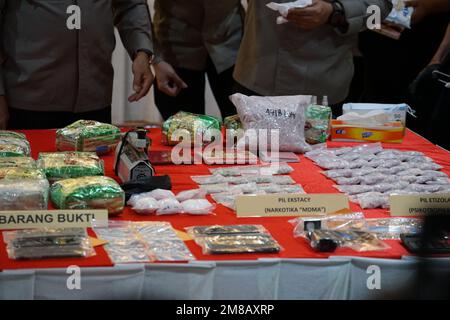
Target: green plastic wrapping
column 65, row 165
column 197, row 125
column 14, row 144
column 234, row 129
column 88, row 193
column 317, row 125
column 15, row 162
column 22, row 173
column 23, row 194
column 88, row 135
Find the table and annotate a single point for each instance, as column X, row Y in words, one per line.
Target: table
column 296, row 272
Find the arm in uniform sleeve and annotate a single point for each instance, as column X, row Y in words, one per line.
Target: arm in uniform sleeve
column 132, row 19
column 2, row 87
column 356, row 13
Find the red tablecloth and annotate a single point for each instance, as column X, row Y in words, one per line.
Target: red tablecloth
column 306, row 173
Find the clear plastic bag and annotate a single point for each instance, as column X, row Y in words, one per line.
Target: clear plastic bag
column 338, row 173
column 198, row 207
column 372, row 200
column 161, row 194
column 215, row 188
column 348, row 181
column 145, row 206
column 372, row 179
column 359, row 241
column 48, row 243
column 141, row 242
column 351, row 221
column 14, row 144
column 169, row 206
column 392, row 228
column 213, row 179
column 234, row 239
column 25, row 194
column 286, row 114
column 191, row 194
column 354, row 189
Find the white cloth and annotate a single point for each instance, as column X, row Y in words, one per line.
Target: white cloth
column 283, row 8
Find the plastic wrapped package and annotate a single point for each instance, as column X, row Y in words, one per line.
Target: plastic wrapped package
column 410, row 172
column 392, row 228
column 409, row 179
column 424, row 188
column 364, row 171
column 338, row 173
column 385, row 187
column 285, row 114
column 427, row 166
column 348, row 181
column 48, row 243
column 215, row 230
column 425, row 179
column 145, row 206
column 17, row 162
column 197, row 207
column 270, row 188
column 234, row 129
column 371, row 148
column 161, row 241
column 389, row 163
column 400, row 14
column 196, row 125
column 359, row 241
column 213, row 179
column 88, row 135
column 26, row 194
column 191, row 194
column 226, row 171
column 14, row 144
column 294, row 188
column 141, row 242
column 350, row 221
column 239, row 180
column 282, row 180
column 327, row 159
column 215, row 188
column 359, row 163
column 161, row 194
column 22, row 173
column 317, row 124
column 64, row 165
column 354, row 189
column 441, row 181
column 250, row 187
column 372, row 179
column 169, row 206
column 433, row 173
column 372, row 200
column 88, row 193
column 225, row 199
column 230, row 241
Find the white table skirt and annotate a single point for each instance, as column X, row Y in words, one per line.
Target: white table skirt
column 334, row 278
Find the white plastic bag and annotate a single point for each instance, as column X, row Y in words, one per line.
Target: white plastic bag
column 283, row 8
column 285, row 114
column 197, row 206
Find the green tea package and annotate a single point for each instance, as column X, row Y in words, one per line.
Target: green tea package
column 195, row 124
column 93, row 192
column 88, row 135
column 14, row 144
column 64, row 165
column 317, row 125
column 22, row 173
column 17, row 162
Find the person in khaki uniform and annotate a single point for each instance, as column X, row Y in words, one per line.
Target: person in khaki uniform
column 196, row 37
column 52, row 74
column 310, row 55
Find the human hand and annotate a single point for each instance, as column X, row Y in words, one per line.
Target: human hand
column 167, row 79
column 143, row 76
column 311, row 17
column 4, row 114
